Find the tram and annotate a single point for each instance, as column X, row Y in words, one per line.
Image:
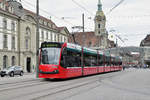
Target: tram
column 66, row 60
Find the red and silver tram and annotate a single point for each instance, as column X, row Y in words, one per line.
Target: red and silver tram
column 66, row 60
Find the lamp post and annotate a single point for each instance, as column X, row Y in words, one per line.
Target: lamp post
column 37, row 38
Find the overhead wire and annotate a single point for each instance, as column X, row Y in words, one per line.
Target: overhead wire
column 119, row 3
column 48, row 13
column 79, row 5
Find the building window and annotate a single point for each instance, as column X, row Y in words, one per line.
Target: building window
column 5, row 61
column 46, row 35
column 90, row 44
column 11, row 9
column 104, row 18
column 3, row 6
column 4, row 23
column 64, row 39
column 42, row 33
column 5, row 41
column 28, row 31
column 58, row 38
column 13, row 43
column 12, row 26
column 99, row 25
column 99, row 32
column 27, row 43
column 61, row 39
column 54, row 37
column 51, row 36
column 45, row 23
column 13, row 59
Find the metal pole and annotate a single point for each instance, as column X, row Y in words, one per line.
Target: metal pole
column 116, row 46
column 74, row 40
column 83, row 37
column 37, row 38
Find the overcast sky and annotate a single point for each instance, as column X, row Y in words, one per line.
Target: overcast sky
column 130, row 20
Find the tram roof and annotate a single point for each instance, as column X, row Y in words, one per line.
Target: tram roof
column 78, row 47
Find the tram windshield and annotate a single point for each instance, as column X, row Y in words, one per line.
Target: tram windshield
column 50, row 55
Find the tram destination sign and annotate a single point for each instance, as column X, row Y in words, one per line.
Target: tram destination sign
column 51, row 45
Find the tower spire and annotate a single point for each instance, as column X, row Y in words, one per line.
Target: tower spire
column 99, row 5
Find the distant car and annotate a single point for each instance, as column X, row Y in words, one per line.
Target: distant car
column 12, row 70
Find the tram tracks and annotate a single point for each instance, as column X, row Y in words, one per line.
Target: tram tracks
column 66, row 87
column 17, row 82
column 45, row 89
column 43, row 92
column 22, row 84
column 95, row 82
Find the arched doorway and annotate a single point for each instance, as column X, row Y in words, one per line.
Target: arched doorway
column 28, row 64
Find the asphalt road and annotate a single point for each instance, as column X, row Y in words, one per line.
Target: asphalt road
column 131, row 84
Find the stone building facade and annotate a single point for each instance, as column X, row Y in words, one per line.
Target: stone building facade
column 8, row 35
column 18, row 35
column 145, row 50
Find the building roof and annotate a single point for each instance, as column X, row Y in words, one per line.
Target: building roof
column 41, row 17
column 43, row 20
column 47, row 20
column 146, row 41
column 6, row 10
column 60, row 28
column 87, row 39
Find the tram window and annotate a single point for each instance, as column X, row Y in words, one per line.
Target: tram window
column 90, row 60
column 86, row 60
column 71, row 58
column 116, row 63
column 100, row 60
column 45, row 57
column 63, row 57
column 112, row 61
column 120, row 63
column 107, row 61
column 104, row 60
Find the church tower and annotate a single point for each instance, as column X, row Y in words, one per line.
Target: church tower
column 100, row 21
column 100, row 30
